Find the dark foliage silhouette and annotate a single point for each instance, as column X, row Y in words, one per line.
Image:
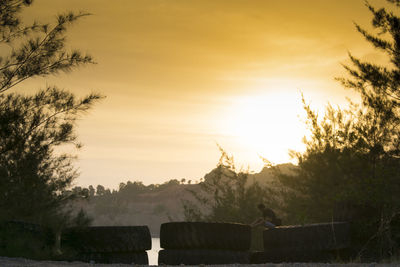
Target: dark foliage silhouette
column 227, row 195
column 351, row 167
column 34, row 175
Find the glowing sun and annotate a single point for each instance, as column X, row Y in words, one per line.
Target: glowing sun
column 267, row 125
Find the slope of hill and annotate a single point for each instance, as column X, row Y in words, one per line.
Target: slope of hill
column 266, row 175
column 137, row 204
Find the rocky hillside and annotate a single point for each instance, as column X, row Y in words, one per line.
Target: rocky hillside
column 137, row 204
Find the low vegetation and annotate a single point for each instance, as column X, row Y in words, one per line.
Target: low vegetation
column 227, row 195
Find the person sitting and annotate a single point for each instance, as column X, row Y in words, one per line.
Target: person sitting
column 268, row 218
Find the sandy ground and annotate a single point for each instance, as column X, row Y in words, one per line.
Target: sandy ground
column 19, row 262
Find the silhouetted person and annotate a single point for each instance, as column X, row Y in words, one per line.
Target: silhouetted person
column 268, row 218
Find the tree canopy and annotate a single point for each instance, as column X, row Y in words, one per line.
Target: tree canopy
column 351, row 167
column 34, row 174
column 227, row 195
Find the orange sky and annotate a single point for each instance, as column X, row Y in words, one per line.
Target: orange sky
column 183, row 75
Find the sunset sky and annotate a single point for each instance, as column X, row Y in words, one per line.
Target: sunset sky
column 181, row 76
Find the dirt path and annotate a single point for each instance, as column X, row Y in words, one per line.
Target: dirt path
column 19, row 262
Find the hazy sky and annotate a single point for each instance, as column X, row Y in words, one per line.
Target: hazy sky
column 181, row 76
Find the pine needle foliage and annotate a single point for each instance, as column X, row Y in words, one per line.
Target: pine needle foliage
column 34, row 175
column 226, row 195
column 351, row 167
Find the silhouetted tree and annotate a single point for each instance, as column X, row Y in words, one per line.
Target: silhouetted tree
column 92, row 191
column 100, row 190
column 351, row 167
column 226, row 195
column 39, row 54
column 34, row 176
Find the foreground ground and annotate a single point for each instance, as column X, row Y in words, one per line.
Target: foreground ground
column 19, row 262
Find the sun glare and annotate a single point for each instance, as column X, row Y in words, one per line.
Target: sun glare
column 267, row 125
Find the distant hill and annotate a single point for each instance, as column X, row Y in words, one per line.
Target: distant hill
column 266, row 175
column 137, row 204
